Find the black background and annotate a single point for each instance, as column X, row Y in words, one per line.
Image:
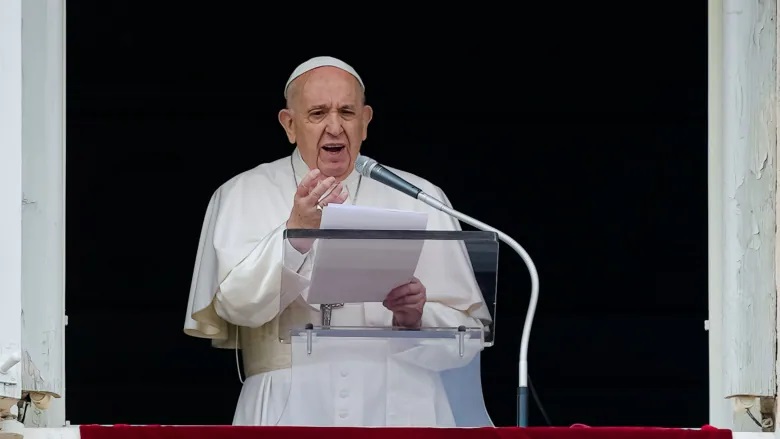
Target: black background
column 579, row 129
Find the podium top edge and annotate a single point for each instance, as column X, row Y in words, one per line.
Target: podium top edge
column 441, row 235
column 473, row 334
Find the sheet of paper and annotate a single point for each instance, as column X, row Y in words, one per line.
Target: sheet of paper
column 347, row 216
column 363, row 270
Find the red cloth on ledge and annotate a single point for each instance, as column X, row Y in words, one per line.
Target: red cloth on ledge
column 230, row 432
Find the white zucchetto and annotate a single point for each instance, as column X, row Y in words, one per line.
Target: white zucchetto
column 322, row 61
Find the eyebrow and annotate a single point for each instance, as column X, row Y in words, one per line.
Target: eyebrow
column 325, row 106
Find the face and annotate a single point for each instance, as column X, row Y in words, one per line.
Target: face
column 327, row 120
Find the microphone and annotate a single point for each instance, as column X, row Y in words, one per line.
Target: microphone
column 369, row 168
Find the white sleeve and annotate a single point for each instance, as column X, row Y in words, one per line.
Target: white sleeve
column 264, row 283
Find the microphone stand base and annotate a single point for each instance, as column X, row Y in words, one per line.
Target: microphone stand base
column 522, row 406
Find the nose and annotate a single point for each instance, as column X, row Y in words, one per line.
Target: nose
column 333, row 124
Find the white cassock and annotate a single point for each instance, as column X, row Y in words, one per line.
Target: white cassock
column 237, row 288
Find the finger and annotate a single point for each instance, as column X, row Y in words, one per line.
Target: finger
column 401, row 291
column 411, row 299
column 331, row 193
column 414, row 299
column 308, row 182
column 342, row 197
column 338, row 195
column 395, row 306
column 404, row 290
column 321, row 188
column 389, row 302
column 301, row 191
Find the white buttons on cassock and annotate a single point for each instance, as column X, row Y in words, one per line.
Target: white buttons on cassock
column 347, row 411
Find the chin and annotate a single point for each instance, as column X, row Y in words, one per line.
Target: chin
column 335, row 168
column 334, row 171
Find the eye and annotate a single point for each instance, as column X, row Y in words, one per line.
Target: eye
column 316, row 115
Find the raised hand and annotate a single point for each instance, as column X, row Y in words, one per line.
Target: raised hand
column 308, row 202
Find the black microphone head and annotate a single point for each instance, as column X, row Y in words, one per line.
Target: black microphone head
column 364, row 164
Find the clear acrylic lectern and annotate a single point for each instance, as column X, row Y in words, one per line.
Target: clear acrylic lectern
column 350, row 366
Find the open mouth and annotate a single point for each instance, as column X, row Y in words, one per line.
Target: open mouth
column 333, row 148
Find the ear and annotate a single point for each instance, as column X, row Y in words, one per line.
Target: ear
column 368, row 114
column 286, row 119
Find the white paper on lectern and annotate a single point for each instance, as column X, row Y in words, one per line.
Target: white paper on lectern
column 364, row 270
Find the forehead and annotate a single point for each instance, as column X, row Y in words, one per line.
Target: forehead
column 329, row 85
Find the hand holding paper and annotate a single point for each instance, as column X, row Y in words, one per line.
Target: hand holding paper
column 407, row 302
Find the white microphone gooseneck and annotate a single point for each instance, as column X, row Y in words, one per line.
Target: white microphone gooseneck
column 370, row 168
